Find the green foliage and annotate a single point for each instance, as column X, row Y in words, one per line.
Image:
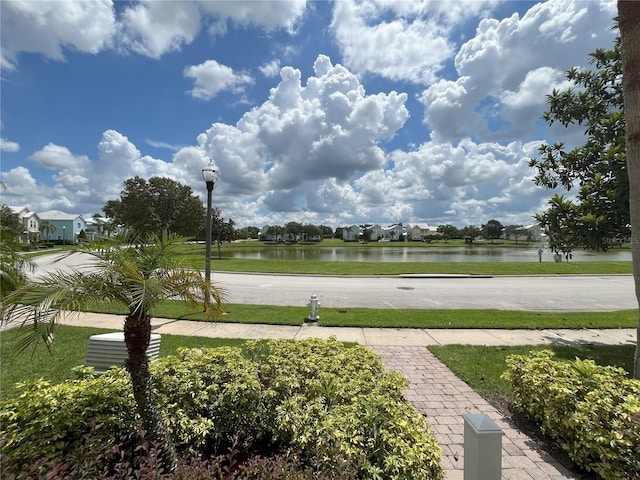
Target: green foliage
column 51, row 421
column 315, row 403
column 13, row 265
column 597, row 170
column 593, row 411
column 157, row 205
column 492, row 229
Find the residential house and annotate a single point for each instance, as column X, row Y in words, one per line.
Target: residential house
column 417, row 232
column 67, row 225
column 351, row 234
column 535, row 233
column 393, row 232
column 96, row 226
column 375, row 232
column 30, row 225
column 268, row 234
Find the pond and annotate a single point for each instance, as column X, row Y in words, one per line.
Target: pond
column 470, row 253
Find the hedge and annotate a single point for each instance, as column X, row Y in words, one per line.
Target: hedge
column 593, row 411
column 300, row 400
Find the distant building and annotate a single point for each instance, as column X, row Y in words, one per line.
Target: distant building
column 67, row 226
column 96, row 226
column 417, row 232
column 393, row 232
column 351, row 234
column 30, row 225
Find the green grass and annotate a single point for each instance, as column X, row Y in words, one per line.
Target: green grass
column 234, row 313
column 481, row 366
column 400, row 318
column 505, row 319
column 69, row 351
column 311, row 267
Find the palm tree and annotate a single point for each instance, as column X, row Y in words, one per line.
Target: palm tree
column 136, row 274
column 48, row 227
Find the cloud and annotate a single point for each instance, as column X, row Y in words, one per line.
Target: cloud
column 268, row 15
column 506, row 69
column 55, row 157
column 400, row 40
column 49, row 27
column 270, row 69
column 211, row 78
column 155, row 28
column 149, row 28
column 160, row 144
column 327, row 129
column 8, row 146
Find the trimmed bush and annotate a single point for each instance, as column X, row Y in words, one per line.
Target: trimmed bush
column 313, row 406
column 594, row 411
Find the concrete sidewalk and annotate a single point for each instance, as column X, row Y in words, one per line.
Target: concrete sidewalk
column 369, row 336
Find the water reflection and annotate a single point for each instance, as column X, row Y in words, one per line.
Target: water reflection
column 421, row 254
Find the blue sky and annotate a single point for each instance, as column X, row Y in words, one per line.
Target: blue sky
column 329, row 113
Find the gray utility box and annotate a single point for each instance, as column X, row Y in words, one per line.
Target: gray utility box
column 108, row 349
column 482, row 448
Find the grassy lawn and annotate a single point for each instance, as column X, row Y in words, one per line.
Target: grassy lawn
column 311, row 267
column 481, row 366
column 69, row 351
column 400, row 318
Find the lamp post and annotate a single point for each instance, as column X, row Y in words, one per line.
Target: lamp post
column 210, row 175
column 64, row 235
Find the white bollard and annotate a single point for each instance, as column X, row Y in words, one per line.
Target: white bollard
column 482, row 448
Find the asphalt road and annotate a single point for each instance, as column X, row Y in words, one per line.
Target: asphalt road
column 535, row 293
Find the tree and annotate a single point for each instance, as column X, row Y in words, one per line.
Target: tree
column 448, row 231
column 471, row 231
column 138, row 275
column 597, row 170
column 293, row 230
column 48, row 227
column 247, row 232
column 338, row 232
column 13, row 266
column 560, row 222
column 327, row 232
column 515, row 232
column 629, row 24
column 311, row 232
column 160, row 205
column 492, row 230
column 221, row 231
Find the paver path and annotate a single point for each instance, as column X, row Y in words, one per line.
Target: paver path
column 444, row 399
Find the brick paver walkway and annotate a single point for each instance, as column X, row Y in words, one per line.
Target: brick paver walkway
column 444, row 399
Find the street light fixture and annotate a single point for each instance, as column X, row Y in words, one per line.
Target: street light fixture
column 210, row 175
column 64, row 235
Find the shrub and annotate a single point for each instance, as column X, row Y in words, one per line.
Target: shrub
column 51, row 421
column 314, row 407
column 594, row 411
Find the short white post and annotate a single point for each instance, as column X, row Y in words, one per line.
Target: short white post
column 482, row 448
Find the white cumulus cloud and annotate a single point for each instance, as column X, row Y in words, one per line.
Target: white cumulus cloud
column 211, row 78
column 49, row 27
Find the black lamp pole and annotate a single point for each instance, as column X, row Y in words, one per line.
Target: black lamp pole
column 210, row 174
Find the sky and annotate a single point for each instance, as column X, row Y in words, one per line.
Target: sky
column 329, row 113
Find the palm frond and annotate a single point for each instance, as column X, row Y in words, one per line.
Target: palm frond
column 41, row 329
